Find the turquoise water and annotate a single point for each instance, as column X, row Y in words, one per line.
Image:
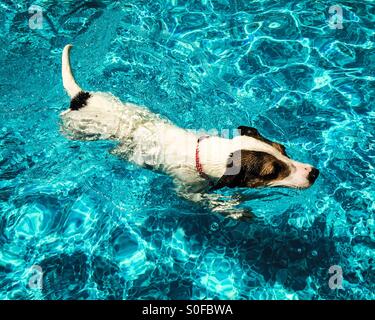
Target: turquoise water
column 101, row 228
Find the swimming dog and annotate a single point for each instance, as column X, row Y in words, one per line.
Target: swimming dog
column 198, row 163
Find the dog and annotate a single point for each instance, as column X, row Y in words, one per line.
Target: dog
column 198, row 163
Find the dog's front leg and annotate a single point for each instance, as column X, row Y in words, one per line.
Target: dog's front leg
column 225, row 205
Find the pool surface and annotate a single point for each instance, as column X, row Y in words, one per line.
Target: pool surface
column 87, row 225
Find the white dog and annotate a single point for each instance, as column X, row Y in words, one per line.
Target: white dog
column 197, row 163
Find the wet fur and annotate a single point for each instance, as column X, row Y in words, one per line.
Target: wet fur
column 150, row 141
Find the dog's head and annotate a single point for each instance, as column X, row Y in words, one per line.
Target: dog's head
column 91, row 116
column 260, row 162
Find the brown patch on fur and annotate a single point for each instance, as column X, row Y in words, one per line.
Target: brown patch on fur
column 255, row 169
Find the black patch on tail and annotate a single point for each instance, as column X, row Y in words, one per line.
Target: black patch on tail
column 79, row 101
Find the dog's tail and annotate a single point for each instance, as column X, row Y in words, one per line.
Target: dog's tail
column 70, row 85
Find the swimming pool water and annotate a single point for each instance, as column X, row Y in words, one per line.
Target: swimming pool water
column 101, row 228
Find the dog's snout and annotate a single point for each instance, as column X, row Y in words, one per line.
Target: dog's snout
column 313, row 175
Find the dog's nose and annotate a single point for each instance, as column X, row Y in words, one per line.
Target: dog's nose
column 313, row 174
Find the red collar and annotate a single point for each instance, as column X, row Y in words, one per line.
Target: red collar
column 198, row 164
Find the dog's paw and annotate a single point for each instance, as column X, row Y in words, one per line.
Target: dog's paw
column 241, row 215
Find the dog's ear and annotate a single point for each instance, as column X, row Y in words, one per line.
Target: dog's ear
column 280, row 147
column 248, row 131
column 254, row 133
